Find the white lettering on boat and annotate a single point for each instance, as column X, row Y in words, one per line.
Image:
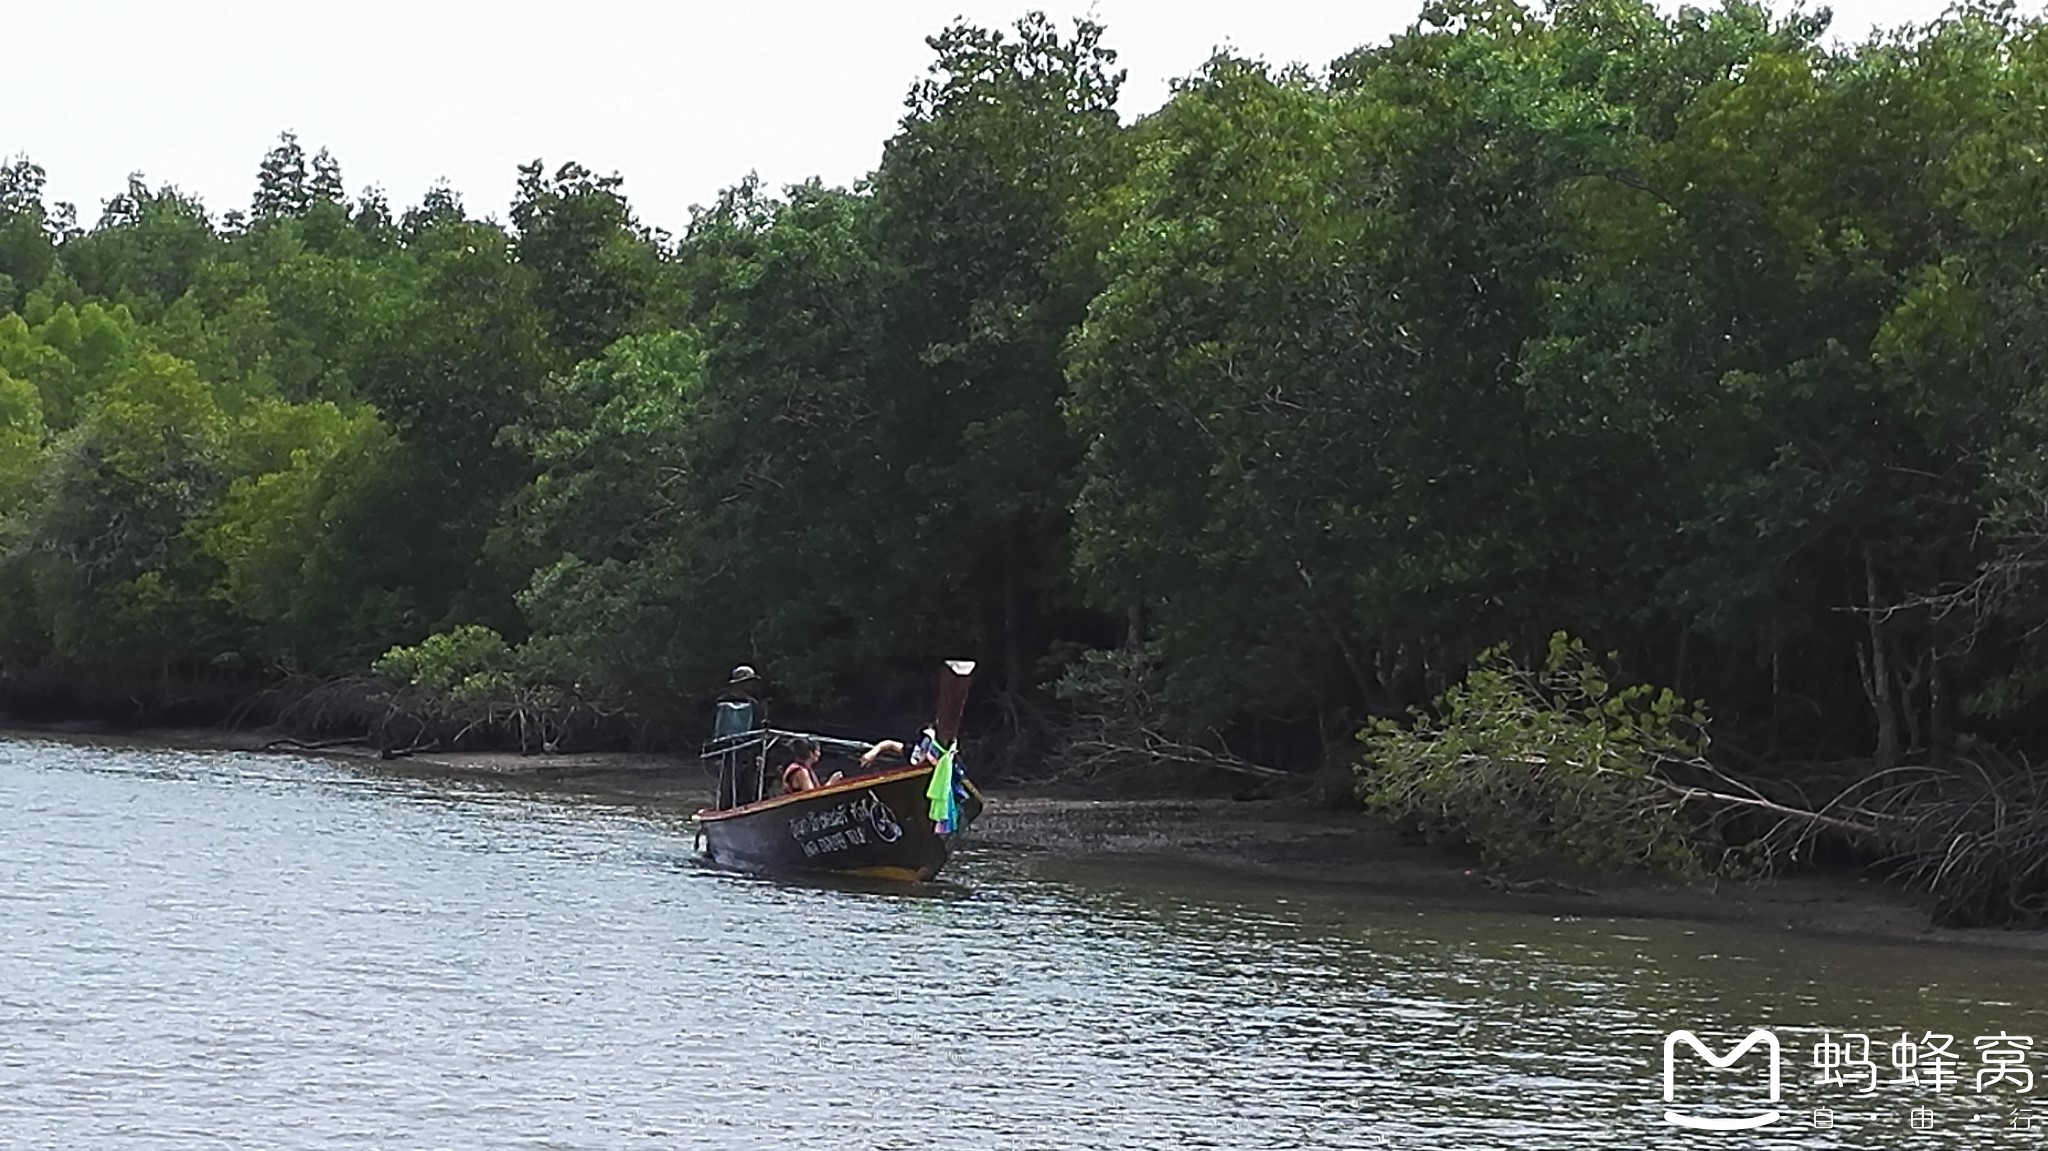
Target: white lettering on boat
column 849, row 824
column 813, row 822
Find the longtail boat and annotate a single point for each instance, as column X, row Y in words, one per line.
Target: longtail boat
column 897, row 822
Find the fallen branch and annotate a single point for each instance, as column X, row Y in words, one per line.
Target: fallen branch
column 314, row 745
column 1123, row 746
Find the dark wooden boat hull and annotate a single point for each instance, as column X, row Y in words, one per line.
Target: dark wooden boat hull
column 875, row 825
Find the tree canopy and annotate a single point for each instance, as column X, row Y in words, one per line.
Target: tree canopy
column 1698, row 335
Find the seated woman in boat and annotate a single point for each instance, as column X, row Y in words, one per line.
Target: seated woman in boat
column 798, row 776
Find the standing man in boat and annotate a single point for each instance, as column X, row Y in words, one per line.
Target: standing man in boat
column 745, row 688
column 740, row 709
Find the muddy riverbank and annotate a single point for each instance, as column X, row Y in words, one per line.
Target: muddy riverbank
column 1285, row 841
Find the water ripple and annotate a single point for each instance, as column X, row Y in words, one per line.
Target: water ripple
column 214, row 950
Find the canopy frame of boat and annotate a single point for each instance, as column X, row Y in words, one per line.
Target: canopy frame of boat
column 745, row 758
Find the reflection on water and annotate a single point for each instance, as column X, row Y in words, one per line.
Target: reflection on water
column 221, row 950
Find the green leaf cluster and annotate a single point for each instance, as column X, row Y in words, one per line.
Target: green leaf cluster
column 465, row 664
column 1554, row 764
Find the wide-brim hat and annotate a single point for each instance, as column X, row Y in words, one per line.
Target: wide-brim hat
column 742, row 674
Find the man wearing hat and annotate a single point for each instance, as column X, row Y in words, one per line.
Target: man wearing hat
column 739, row 709
column 745, row 687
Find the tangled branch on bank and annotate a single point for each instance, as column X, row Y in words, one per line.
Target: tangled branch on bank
column 1972, row 836
column 399, row 718
column 1118, row 734
column 1104, row 748
column 1553, row 765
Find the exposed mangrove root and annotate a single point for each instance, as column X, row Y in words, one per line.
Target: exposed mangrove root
column 400, row 719
column 1972, row 836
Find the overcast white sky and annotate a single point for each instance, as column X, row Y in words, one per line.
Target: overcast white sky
column 681, row 97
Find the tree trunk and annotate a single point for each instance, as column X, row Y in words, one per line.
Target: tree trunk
column 1911, row 679
column 1777, row 685
column 1678, row 673
column 1937, row 712
column 1362, row 683
column 1878, row 672
column 1013, row 591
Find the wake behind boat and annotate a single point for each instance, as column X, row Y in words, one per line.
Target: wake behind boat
column 895, row 822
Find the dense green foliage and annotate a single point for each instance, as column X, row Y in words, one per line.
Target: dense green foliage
column 1552, row 764
column 1696, row 335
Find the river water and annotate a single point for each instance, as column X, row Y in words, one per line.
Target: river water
column 207, row 950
